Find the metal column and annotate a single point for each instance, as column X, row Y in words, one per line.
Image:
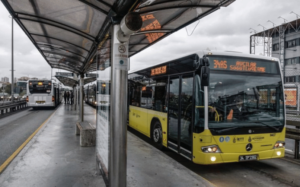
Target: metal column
column 118, row 118
column 81, row 111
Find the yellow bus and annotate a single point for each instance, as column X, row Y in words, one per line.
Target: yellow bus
column 211, row 107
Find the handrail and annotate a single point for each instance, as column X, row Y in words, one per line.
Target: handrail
column 217, row 117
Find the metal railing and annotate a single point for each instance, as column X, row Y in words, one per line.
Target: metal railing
column 294, row 133
column 8, row 107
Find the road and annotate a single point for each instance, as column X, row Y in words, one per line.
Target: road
column 270, row 173
column 15, row 129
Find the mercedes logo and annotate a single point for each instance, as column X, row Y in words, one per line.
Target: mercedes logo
column 249, row 147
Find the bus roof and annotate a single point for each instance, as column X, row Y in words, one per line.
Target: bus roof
column 200, row 54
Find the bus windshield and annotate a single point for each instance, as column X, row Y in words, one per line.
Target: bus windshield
column 237, row 100
column 39, row 87
column 244, row 95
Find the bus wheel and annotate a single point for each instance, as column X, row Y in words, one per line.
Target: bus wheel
column 157, row 134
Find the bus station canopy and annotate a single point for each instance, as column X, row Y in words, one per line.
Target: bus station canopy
column 68, row 81
column 75, row 35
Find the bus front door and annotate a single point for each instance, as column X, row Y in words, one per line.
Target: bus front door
column 180, row 115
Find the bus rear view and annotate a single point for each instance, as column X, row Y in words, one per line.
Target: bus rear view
column 42, row 93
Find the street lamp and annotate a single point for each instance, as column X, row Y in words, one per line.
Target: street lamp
column 272, row 23
column 284, row 20
column 296, row 19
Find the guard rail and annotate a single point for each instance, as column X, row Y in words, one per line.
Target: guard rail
column 5, row 108
column 294, row 133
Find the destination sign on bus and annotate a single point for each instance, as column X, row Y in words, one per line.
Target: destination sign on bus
column 159, row 70
column 245, row 65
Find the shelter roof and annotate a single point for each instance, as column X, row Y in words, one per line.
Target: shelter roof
column 68, row 81
column 74, row 35
column 290, row 26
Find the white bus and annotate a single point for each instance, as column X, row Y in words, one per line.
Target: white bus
column 43, row 93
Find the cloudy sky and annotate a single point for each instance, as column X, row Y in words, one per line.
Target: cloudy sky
column 226, row 30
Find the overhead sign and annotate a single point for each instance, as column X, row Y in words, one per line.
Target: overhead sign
column 159, row 70
column 121, row 56
column 243, row 64
column 65, row 74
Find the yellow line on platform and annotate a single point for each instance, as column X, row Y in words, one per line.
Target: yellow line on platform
column 6, row 163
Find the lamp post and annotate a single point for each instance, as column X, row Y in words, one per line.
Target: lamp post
column 12, row 60
column 296, row 19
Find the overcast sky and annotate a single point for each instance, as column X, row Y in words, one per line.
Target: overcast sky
column 226, row 30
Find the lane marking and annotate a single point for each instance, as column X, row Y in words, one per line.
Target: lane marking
column 288, row 160
column 7, row 162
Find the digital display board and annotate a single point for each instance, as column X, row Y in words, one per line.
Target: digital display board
column 159, row 70
column 243, row 64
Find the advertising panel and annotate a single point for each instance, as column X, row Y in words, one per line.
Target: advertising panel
column 290, row 97
column 103, row 121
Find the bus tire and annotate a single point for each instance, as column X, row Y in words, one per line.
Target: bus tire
column 157, row 134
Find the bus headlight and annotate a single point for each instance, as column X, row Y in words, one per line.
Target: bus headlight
column 279, row 144
column 211, row 149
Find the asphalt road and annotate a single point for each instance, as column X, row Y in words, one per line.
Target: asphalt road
column 270, row 173
column 15, row 129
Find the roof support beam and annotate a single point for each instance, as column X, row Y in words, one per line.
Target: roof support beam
column 59, row 48
column 94, row 6
column 61, row 25
column 176, row 7
column 58, row 40
column 69, row 29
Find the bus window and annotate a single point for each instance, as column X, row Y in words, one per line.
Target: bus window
column 136, row 95
column 186, row 100
column 146, row 99
column 160, row 98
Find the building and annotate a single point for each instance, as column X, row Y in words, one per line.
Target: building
column 4, row 79
column 282, row 42
column 23, row 79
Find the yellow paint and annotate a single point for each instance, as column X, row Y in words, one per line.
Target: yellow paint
column 262, row 146
column 5, row 164
column 140, row 119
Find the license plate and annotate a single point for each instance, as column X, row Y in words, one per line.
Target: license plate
column 40, row 102
column 248, row 158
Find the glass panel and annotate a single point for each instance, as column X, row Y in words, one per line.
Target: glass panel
column 103, row 118
column 57, row 33
column 186, row 113
column 199, row 106
column 173, row 110
column 146, row 99
column 41, row 40
column 43, row 87
column 160, row 102
column 245, row 101
column 69, row 12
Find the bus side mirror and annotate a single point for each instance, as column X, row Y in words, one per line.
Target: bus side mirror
column 205, row 73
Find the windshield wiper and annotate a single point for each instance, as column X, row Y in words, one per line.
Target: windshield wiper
column 270, row 126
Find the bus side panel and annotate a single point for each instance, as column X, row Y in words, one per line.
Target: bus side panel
column 142, row 122
column 132, row 117
column 163, row 118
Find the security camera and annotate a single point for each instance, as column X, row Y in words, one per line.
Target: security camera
column 131, row 23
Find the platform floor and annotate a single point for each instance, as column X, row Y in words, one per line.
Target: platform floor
column 54, row 158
